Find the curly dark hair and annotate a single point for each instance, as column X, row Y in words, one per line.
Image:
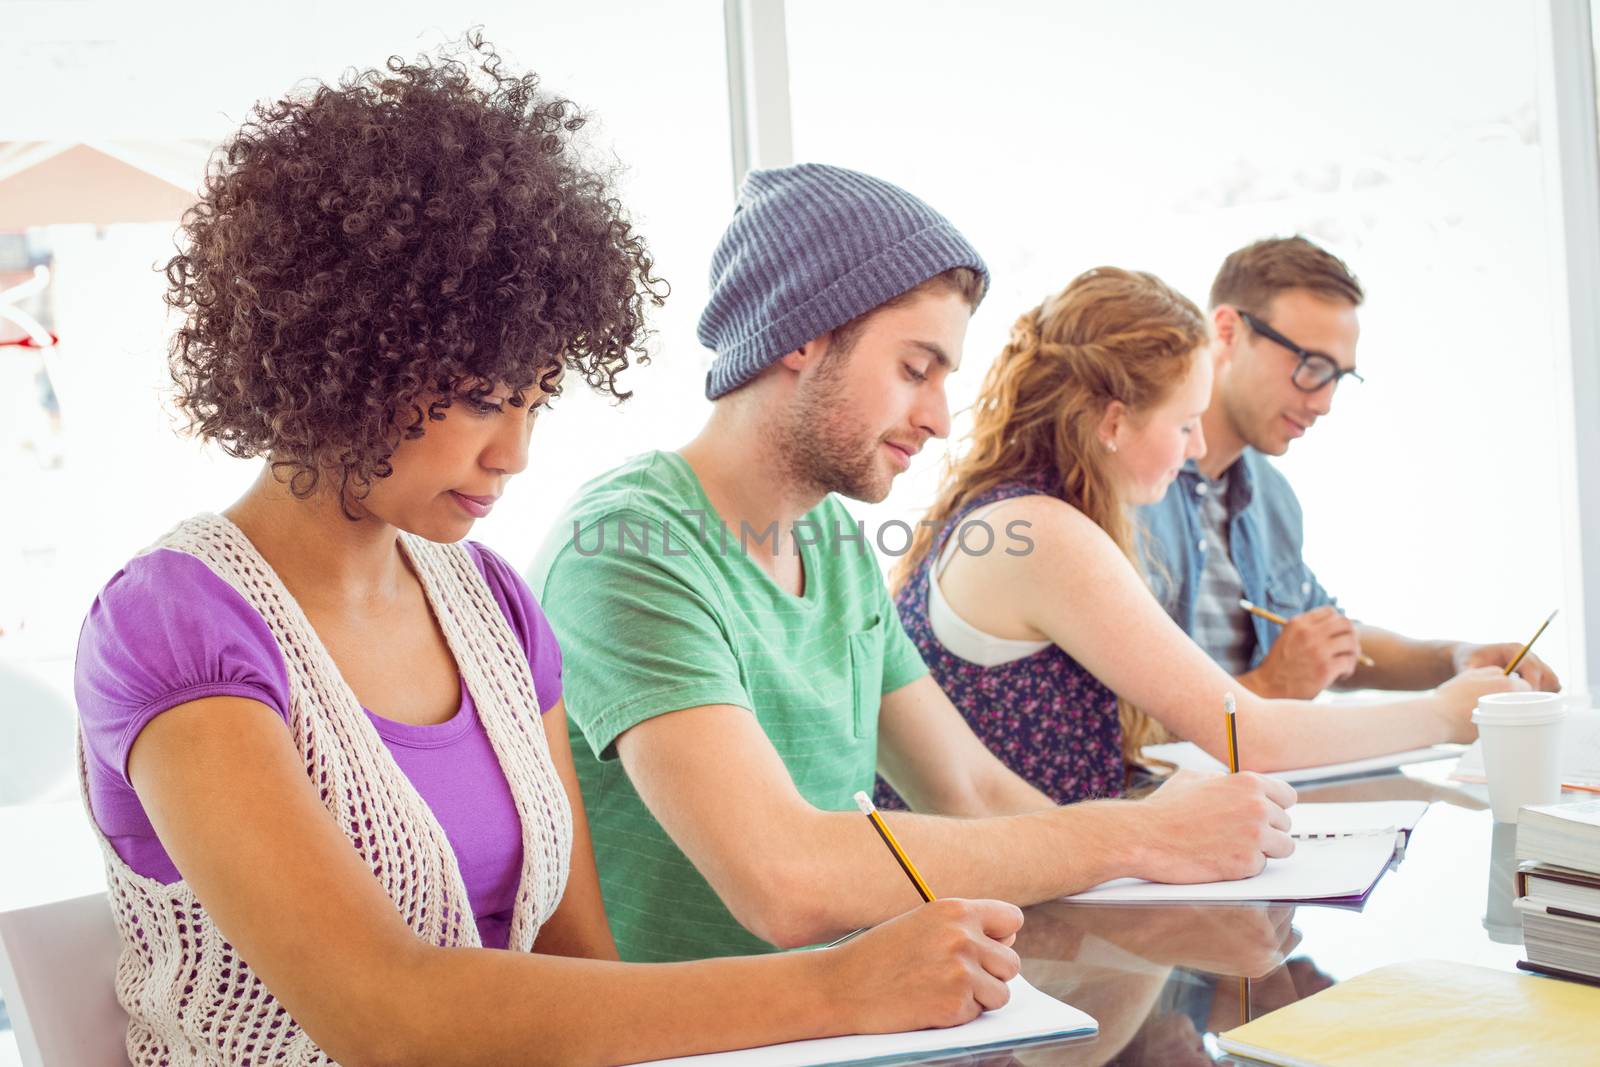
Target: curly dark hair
column 375, row 248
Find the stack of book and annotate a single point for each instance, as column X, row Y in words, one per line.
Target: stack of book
column 1558, row 889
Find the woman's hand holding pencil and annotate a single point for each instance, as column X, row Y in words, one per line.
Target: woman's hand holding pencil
column 941, row 964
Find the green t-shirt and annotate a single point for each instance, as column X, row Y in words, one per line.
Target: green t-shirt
column 658, row 609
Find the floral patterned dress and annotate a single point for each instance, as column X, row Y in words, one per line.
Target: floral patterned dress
column 1045, row 716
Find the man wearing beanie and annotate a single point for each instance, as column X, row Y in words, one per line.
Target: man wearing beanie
column 734, row 668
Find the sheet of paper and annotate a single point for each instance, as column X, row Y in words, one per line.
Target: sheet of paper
column 1029, row 1016
column 1189, row 756
column 1326, row 869
column 1329, row 820
column 1580, row 752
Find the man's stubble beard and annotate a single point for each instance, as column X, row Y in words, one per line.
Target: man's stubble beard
column 822, row 449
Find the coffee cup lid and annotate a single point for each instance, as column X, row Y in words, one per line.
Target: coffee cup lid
column 1519, row 709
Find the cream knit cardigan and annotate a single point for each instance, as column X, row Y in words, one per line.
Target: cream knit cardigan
column 190, row 998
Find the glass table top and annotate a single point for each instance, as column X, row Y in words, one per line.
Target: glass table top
column 1163, row 979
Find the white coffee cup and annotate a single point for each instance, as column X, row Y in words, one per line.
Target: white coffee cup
column 1521, row 738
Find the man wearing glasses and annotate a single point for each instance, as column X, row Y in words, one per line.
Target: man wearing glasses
column 1283, row 317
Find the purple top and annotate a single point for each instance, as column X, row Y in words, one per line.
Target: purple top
column 166, row 630
column 1046, row 716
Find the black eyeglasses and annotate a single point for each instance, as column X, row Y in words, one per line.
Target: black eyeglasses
column 1315, row 370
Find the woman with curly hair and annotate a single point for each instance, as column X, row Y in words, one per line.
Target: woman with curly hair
column 1056, row 652
column 323, row 739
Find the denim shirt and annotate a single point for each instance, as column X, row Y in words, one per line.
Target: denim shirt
column 1265, row 537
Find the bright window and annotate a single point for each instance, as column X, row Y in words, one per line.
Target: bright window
column 1161, row 136
column 91, row 466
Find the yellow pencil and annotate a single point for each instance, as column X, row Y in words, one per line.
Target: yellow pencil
column 1231, row 720
column 1232, row 723
column 1272, row 616
column 1513, row 664
column 870, row 810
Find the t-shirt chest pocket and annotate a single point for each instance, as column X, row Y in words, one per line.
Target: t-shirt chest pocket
column 866, row 676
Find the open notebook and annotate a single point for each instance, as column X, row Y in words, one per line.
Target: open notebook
column 1341, row 850
column 1029, row 1018
column 1188, row 756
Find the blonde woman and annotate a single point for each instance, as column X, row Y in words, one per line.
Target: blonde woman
column 1021, row 588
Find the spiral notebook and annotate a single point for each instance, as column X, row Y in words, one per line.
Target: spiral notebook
column 1341, row 850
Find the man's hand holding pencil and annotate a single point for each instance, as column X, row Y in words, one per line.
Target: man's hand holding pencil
column 1313, row 651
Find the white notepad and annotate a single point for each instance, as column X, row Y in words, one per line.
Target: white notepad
column 1189, row 756
column 1340, row 852
column 1356, row 817
column 1324, row 869
column 1029, row 1017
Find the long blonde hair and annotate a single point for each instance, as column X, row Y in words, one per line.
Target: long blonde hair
column 1111, row 334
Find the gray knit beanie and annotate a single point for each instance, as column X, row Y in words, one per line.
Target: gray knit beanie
column 811, row 247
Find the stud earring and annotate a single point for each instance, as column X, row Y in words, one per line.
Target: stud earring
column 1111, row 446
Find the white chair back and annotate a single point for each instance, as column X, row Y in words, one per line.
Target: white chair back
column 58, row 966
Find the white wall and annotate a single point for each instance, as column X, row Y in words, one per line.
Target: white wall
column 1163, row 135
column 651, row 76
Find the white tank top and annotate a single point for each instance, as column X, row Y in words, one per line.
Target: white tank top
column 959, row 636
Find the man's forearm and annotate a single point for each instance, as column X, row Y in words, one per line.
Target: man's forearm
column 1023, row 859
column 1401, row 662
column 1031, row 857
